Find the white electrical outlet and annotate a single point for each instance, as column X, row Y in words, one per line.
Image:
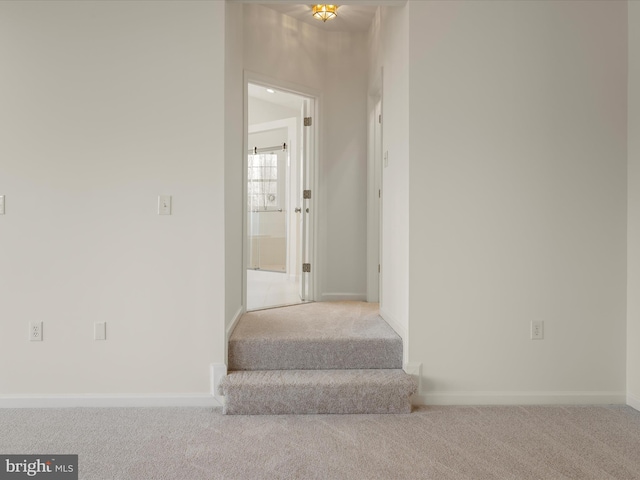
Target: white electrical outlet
column 164, row 205
column 537, row 330
column 100, row 331
column 35, row 331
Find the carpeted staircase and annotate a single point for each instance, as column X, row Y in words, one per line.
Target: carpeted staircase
column 316, row 358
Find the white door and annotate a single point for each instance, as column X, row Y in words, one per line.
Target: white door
column 306, row 198
column 378, row 185
column 277, row 214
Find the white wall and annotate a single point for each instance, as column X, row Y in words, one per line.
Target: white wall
column 343, row 208
column 389, row 42
column 106, row 105
column 518, row 200
column 261, row 111
column 283, row 48
column 633, row 238
column 233, row 166
column 515, row 173
column 280, row 47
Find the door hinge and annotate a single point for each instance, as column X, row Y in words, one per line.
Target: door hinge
column 378, row 268
column 306, row 194
column 380, row 118
column 308, row 121
column 379, row 193
column 306, row 268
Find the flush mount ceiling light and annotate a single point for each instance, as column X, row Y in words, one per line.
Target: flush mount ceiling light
column 325, row 12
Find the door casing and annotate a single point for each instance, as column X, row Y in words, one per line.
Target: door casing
column 312, row 176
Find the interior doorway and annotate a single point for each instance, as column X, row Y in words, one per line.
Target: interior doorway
column 374, row 199
column 277, row 172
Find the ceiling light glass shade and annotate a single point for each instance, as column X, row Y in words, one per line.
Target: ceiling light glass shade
column 325, row 12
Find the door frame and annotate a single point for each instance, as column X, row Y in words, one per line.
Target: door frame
column 375, row 125
column 313, row 203
column 374, row 199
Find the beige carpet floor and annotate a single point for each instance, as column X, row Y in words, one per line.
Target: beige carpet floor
column 322, row 335
column 476, row 443
column 324, row 357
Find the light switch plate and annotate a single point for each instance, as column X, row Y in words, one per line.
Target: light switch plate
column 1, row 204
column 100, row 331
column 164, row 205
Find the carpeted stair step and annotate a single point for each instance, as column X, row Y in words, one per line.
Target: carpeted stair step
column 323, row 336
column 279, row 392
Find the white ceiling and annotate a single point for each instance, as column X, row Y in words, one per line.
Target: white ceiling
column 351, row 18
column 355, row 16
column 284, row 99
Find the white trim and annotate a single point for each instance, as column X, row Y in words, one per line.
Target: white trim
column 393, row 323
column 234, row 322
column 343, row 297
column 633, row 401
column 236, row 318
column 109, row 400
column 315, row 106
column 520, row 398
column 400, row 330
column 315, row 98
column 291, row 87
column 415, row 370
column 374, row 186
column 218, row 371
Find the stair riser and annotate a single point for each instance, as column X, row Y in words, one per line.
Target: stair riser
column 287, row 401
column 315, row 355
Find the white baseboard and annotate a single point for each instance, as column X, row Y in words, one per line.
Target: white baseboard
column 415, row 370
column 234, row 322
column 521, row 398
column 108, row 401
column 402, row 333
column 393, row 323
column 633, row 401
column 218, row 370
column 343, row 297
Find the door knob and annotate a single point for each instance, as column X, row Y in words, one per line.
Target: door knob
column 298, row 210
